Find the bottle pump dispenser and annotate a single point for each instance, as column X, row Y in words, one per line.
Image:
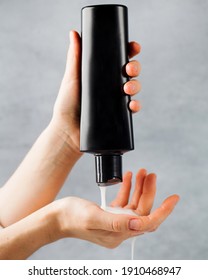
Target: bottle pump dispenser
column 106, row 120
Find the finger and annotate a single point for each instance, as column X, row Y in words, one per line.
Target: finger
column 151, row 223
column 123, row 195
column 111, row 222
column 140, row 177
column 133, row 68
column 133, row 49
column 73, row 63
column 148, row 194
column 135, row 106
column 132, row 87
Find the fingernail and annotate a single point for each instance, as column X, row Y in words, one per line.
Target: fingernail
column 135, row 224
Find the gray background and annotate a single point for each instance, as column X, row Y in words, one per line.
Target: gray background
column 170, row 132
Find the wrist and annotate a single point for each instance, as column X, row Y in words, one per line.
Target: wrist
column 63, row 218
column 64, row 145
column 23, row 238
column 70, row 222
column 51, row 222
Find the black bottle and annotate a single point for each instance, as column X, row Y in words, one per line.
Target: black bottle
column 106, row 120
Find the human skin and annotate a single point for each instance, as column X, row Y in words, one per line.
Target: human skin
column 45, row 168
column 28, row 213
column 74, row 217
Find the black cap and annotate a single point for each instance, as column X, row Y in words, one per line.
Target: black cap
column 108, row 169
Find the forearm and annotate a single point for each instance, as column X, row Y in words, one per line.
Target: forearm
column 39, row 177
column 21, row 239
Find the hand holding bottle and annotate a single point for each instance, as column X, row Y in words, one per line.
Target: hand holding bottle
column 66, row 115
column 42, row 173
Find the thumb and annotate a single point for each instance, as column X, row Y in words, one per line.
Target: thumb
column 73, row 63
column 114, row 222
column 68, row 99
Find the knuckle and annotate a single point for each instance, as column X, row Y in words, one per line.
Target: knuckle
column 116, row 226
column 133, row 205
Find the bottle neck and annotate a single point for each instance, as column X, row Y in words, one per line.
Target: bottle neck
column 108, row 169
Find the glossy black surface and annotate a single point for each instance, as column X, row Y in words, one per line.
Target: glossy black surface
column 106, row 120
column 108, row 169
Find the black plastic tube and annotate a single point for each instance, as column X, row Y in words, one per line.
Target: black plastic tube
column 106, row 120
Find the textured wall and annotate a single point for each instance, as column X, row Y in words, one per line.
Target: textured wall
column 171, row 131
